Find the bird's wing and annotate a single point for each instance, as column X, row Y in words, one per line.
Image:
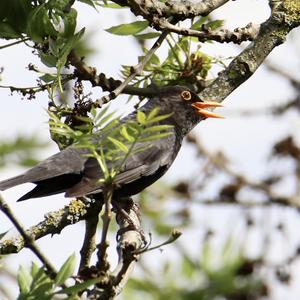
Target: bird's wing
column 140, row 164
column 69, row 161
column 143, row 164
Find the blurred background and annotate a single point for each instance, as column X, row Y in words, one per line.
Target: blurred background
column 237, row 242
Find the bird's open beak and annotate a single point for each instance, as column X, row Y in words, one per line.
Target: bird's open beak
column 200, row 106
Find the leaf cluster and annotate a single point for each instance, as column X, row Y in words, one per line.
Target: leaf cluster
column 37, row 284
column 49, row 24
column 234, row 277
column 182, row 66
column 108, row 138
column 21, row 150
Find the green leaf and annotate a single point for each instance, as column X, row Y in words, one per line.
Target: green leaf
column 102, row 119
column 66, row 270
column 48, row 78
column 141, row 117
column 155, row 137
column 213, row 25
column 69, row 44
column 196, row 25
column 159, row 118
column 78, row 287
column 8, row 32
column 39, row 278
column 43, row 290
column 34, row 269
column 113, row 5
column 70, row 22
column 124, row 132
column 39, row 24
column 119, row 144
column 153, row 113
column 48, row 59
column 158, row 128
column 147, row 36
column 128, row 29
column 15, row 14
column 24, row 280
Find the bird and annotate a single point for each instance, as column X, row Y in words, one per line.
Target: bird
column 75, row 174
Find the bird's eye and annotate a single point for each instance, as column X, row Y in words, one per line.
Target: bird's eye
column 186, row 95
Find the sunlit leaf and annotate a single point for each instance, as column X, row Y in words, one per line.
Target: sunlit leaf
column 141, row 117
column 128, row 29
column 119, row 144
column 70, row 22
column 24, row 280
column 78, row 287
column 126, row 134
column 147, row 36
column 158, row 128
column 155, row 137
column 66, row 270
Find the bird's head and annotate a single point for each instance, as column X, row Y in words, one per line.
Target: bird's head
column 183, row 97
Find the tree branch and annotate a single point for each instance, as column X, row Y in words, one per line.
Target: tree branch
column 135, row 70
column 238, row 35
column 53, row 223
column 130, row 241
column 176, row 9
column 85, row 72
column 272, row 33
column 216, row 160
column 89, row 244
column 28, row 241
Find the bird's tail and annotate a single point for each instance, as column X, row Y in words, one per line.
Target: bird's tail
column 11, row 182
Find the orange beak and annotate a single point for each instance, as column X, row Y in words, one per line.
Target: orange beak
column 200, row 106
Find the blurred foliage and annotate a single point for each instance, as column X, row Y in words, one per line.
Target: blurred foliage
column 37, row 284
column 223, row 275
column 20, row 151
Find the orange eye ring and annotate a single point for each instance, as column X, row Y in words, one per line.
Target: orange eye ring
column 186, row 95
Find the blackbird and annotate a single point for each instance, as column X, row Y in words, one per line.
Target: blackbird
column 71, row 171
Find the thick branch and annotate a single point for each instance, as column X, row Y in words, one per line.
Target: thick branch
column 272, row 33
column 174, row 9
column 85, row 72
column 54, row 222
column 130, row 240
column 247, row 33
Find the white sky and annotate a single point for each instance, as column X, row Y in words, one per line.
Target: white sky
column 245, row 140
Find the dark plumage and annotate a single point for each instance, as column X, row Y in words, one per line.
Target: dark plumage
column 72, row 172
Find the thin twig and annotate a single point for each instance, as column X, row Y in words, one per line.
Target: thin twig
column 220, row 163
column 108, row 84
column 28, row 241
column 135, row 70
column 14, row 43
column 175, row 234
